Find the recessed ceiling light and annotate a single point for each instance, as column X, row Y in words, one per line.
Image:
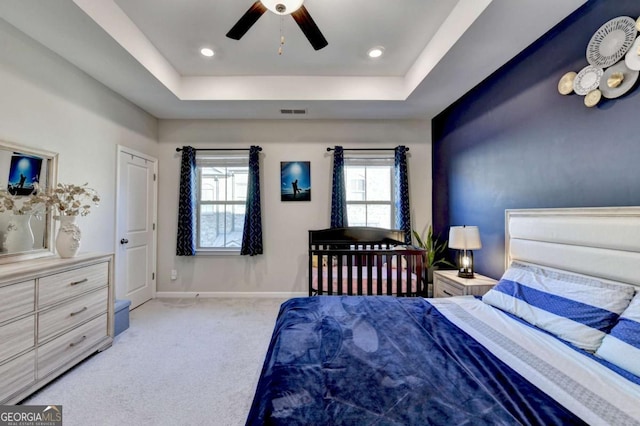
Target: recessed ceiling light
column 207, row 52
column 375, row 52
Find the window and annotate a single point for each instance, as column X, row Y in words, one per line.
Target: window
column 369, row 183
column 221, row 196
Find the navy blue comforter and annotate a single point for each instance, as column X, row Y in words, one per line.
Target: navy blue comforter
column 349, row 360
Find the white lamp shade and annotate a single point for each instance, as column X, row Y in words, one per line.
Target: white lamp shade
column 464, row 238
column 290, row 5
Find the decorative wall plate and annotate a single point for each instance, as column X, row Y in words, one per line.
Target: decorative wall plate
column 588, row 79
column 592, row 98
column 565, row 85
column 612, row 40
column 629, row 78
column 632, row 58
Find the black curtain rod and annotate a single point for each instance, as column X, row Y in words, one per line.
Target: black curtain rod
column 364, row 149
column 220, row 149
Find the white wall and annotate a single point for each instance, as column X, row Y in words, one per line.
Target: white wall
column 48, row 103
column 283, row 267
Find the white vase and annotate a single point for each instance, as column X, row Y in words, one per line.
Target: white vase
column 19, row 237
column 68, row 239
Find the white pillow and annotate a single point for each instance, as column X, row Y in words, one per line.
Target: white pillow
column 575, row 308
column 622, row 346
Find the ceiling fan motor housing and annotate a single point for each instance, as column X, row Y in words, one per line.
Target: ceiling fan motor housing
column 282, row 7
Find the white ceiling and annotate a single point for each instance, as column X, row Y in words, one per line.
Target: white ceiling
column 148, row 51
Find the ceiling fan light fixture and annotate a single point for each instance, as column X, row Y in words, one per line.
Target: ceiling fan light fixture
column 282, row 7
column 375, row 52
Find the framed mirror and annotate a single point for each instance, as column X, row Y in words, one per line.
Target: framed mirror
column 25, row 234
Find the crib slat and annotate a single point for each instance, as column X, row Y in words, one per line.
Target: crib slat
column 422, row 276
column 320, row 273
column 330, row 275
column 399, row 275
column 379, row 273
column 340, row 289
column 310, row 273
column 389, row 274
column 420, row 273
column 410, row 288
column 359, row 274
column 349, row 274
column 369, row 273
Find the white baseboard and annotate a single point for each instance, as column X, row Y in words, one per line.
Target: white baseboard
column 228, row 294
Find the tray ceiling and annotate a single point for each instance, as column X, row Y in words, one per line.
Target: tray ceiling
column 148, row 51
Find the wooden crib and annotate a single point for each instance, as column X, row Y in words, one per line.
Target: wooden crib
column 364, row 261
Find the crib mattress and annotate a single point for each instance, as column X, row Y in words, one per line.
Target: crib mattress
column 383, row 280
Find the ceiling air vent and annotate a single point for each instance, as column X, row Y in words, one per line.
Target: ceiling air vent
column 293, row 111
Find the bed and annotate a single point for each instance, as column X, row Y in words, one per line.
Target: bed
column 462, row 360
column 364, row 261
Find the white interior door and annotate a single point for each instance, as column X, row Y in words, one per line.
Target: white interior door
column 136, row 235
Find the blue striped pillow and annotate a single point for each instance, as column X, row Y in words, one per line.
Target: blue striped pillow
column 622, row 346
column 575, row 308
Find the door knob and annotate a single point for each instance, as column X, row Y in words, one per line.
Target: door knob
column 124, row 241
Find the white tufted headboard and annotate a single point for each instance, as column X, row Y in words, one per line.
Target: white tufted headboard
column 600, row 242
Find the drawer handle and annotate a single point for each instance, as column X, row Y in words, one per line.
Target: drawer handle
column 73, row 314
column 79, row 282
column 72, row 344
column 447, row 293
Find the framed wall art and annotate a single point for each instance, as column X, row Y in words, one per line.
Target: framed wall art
column 295, row 181
column 24, row 174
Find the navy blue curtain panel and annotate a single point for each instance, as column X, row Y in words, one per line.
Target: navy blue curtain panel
column 252, row 234
column 186, row 241
column 403, row 210
column 339, row 191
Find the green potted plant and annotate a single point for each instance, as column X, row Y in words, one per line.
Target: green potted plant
column 434, row 252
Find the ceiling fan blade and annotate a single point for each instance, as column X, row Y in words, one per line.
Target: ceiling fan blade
column 248, row 19
column 309, row 28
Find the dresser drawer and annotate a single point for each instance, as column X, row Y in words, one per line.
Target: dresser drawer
column 72, row 313
column 446, row 288
column 65, row 285
column 17, row 299
column 17, row 374
column 16, row 337
column 65, row 348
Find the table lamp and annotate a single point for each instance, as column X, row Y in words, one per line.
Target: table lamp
column 465, row 239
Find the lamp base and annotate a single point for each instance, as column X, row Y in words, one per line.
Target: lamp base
column 465, row 264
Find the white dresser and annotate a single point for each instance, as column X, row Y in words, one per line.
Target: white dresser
column 53, row 314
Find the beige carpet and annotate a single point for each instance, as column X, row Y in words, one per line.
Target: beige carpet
column 181, row 362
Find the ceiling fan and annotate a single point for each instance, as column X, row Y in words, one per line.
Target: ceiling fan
column 294, row 8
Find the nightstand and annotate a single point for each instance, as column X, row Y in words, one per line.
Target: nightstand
column 448, row 283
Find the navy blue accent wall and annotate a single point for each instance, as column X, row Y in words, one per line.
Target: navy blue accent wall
column 515, row 142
